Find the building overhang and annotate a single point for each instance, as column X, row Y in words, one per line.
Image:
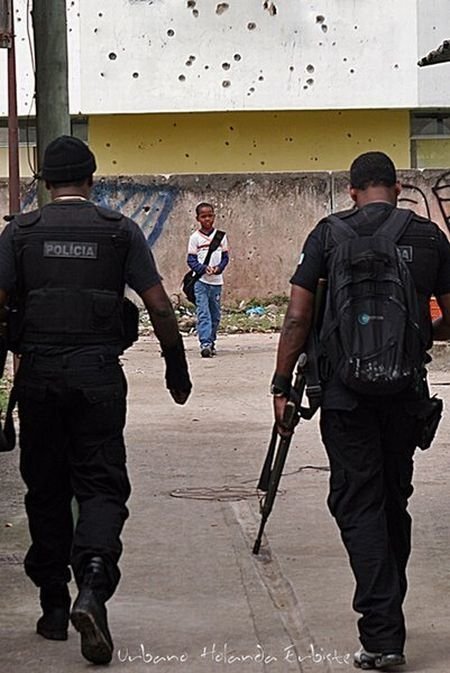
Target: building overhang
column 439, row 55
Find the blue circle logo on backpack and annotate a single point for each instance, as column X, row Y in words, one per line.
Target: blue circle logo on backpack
column 363, row 319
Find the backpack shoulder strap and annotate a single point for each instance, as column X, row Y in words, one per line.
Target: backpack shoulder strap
column 396, row 224
column 339, row 230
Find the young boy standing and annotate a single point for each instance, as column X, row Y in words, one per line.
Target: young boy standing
column 208, row 288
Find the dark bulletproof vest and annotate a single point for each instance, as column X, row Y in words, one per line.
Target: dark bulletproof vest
column 70, row 276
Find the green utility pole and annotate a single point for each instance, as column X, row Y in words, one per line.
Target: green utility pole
column 52, row 95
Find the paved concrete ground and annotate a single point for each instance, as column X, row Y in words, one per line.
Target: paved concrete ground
column 193, row 598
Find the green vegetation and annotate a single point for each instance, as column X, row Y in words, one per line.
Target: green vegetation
column 5, row 387
column 269, row 319
column 253, row 315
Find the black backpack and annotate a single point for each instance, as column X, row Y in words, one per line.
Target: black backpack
column 370, row 332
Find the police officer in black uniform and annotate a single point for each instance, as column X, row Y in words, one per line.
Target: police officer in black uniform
column 370, row 444
column 63, row 270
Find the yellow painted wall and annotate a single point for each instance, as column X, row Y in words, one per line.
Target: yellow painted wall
column 25, row 171
column 236, row 142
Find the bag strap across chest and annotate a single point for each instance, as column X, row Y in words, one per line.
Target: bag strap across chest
column 215, row 242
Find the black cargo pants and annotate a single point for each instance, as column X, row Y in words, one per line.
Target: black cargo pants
column 370, row 450
column 72, row 415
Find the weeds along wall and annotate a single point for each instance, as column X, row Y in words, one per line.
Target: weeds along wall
column 266, row 216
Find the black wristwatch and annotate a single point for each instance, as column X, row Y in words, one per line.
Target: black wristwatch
column 277, row 392
column 280, row 386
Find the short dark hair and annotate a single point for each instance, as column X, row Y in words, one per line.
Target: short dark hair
column 372, row 169
column 203, row 205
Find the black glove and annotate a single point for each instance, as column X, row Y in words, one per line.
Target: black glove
column 177, row 372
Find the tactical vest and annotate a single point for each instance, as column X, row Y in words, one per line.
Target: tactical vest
column 70, row 276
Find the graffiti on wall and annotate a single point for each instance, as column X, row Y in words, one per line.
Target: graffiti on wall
column 441, row 191
column 415, row 198
column 148, row 205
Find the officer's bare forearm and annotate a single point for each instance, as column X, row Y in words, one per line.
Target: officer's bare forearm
column 292, row 340
column 295, row 330
column 165, row 326
column 162, row 315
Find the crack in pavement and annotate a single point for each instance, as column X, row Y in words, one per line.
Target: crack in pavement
column 264, row 571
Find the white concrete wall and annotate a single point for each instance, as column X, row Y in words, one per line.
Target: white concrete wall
column 434, row 28
column 205, row 55
column 25, row 77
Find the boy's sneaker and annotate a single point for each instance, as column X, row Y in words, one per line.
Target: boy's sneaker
column 369, row 661
column 205, row 351
column 213, row 350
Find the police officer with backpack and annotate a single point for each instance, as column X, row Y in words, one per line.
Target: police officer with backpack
column 63, row 270
column 375, row 407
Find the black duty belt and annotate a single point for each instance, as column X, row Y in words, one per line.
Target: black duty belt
column 67, row 361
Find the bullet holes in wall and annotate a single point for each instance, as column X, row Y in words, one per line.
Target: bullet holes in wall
column 222, row 7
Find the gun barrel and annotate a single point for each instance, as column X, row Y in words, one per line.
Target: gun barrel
column 263, row 483
column 257, row 545
column 272, row 487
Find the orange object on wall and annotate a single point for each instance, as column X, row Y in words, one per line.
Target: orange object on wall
column 435, row 311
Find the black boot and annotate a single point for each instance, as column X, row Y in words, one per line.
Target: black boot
column 89, row 614
column 55, row 603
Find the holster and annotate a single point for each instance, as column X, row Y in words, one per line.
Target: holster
column 428, row 417
column 130, row 323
